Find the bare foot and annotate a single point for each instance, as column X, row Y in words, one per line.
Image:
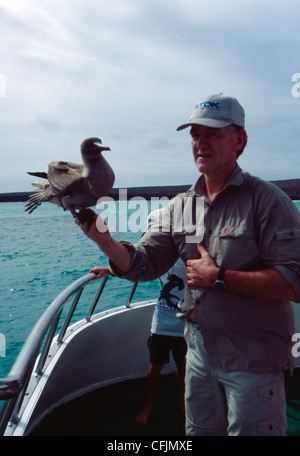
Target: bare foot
column 142, row 418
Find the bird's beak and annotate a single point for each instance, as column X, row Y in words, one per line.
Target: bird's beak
column 101, row 146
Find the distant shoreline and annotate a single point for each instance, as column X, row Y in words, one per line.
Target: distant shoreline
column 290, row 186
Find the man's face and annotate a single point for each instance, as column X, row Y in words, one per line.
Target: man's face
column 215, row 149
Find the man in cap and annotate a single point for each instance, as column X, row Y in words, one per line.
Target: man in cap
column 240, row 279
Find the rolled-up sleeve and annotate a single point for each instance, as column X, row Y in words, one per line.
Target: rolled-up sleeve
column 280, row 240
column 154, row 255
column 149, row 259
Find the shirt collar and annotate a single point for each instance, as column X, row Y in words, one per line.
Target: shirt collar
column 236, row 178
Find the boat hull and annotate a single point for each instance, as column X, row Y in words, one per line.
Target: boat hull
column 111, row 348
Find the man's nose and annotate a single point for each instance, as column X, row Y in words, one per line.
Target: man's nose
column 201, row 141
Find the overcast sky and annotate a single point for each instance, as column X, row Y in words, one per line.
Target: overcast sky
column 131, row 71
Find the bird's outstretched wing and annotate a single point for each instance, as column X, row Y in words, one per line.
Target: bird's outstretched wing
column 62, row 175
column 42, row 194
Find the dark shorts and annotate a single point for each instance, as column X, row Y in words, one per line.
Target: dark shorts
column 160, row 346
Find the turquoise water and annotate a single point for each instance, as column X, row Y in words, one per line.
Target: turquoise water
column 43, row 253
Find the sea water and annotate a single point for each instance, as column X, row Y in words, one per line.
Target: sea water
column 43, row 253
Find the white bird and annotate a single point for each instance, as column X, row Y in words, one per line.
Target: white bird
column 72, row 185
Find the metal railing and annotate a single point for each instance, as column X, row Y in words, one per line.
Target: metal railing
column 14, row 386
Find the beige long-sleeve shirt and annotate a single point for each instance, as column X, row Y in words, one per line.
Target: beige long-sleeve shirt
column 250, row 225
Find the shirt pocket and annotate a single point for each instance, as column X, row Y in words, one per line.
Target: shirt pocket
column 236, row 247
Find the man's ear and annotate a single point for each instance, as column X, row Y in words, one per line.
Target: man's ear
column 241, row 141
column 242, row 138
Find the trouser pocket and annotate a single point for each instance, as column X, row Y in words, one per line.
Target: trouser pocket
column 270, row 419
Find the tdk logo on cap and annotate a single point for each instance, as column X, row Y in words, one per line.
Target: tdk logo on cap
column 208, row 104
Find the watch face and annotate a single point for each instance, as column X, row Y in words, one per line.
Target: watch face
column 219, row 285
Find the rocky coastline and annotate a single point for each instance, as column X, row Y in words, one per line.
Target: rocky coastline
column 289, row 186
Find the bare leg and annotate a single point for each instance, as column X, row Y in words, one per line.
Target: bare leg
column 152, row 382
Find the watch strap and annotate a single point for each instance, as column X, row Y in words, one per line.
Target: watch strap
column 221, row 275
column 220, row 283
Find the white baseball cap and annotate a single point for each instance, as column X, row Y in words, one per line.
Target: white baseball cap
column 216, row 111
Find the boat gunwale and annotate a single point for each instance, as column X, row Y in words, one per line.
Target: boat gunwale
column 13, row 387
column 38, row 383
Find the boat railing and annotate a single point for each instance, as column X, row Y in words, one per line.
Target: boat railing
column 37, row 345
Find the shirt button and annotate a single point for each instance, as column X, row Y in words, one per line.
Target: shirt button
column 209, row 231
column 291, row 233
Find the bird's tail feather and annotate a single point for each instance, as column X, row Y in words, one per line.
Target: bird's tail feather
column 39, row 174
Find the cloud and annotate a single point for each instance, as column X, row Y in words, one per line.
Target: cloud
column 131, row 71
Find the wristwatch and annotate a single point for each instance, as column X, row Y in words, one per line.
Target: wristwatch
column 220, row 283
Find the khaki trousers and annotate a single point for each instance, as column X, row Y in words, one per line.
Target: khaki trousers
column 230, row 403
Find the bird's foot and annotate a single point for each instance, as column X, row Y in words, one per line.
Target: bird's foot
column 84, row 215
